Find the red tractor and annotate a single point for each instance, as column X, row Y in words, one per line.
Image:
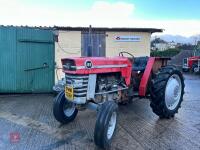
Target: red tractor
column 101, row 83
column 191, row 64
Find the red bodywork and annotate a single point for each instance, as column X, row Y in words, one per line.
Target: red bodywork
column 145, row 77
column 102, row 65
column 114, row 64
column 192, row 60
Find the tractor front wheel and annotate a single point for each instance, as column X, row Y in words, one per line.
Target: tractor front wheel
column 64, row 111
column 167, row 92
column 105, row 124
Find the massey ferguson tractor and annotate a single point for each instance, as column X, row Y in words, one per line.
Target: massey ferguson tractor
column 101, row 83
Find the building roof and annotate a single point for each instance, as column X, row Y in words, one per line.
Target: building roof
column 30, row 27
column 102, row 29
column 150, row 30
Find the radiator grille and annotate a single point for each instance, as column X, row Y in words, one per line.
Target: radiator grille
column 79, row 83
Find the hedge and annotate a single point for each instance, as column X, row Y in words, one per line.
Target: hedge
column 166, row 53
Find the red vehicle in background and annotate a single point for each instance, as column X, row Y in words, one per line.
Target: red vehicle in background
column 191, row 64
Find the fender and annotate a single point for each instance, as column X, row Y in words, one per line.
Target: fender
column 145, row 78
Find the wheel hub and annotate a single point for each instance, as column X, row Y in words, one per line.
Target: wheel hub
column 196, row 69
column 68, row 108
column 176, row 89
column 173, row 92
column 111, row 126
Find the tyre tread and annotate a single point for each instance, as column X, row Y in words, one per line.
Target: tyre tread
column 158, row 92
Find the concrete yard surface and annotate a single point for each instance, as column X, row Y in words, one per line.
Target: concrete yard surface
column 27, row 123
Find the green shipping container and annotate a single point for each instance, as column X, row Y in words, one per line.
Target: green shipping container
column 26, row 60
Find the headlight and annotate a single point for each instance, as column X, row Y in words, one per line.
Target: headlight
column 69, row 65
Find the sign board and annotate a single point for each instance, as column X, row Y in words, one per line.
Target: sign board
column 128, row 38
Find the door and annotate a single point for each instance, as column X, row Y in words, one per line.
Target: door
column 35, row 61
column 94, row 42
column 7, row 59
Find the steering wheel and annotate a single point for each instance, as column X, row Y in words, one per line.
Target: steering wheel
column 124, row 52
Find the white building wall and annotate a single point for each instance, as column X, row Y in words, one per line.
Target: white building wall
column 140, row 48
column 68, row 45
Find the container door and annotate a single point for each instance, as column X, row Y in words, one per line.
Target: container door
column 94, row 41
column 7, row 59
column 35, row 61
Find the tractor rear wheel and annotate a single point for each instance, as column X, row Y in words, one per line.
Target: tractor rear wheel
column 105, row 124
column 167, row 91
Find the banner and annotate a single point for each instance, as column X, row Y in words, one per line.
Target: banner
column 128, row 38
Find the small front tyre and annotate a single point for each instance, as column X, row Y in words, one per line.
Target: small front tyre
column 64, row 111
column 105, row 124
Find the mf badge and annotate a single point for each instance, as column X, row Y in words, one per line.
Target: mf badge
column 88, row 64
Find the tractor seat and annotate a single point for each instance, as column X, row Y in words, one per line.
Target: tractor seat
column 139, row 63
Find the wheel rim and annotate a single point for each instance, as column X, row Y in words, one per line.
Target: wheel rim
column 111, row 125
column 196, row 69
column 173, row 92
column 68, row 108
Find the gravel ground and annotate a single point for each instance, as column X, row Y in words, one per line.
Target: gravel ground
column 27, row 123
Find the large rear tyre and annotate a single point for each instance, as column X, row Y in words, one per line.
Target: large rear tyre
column 105, row 124
column 167, row 91
column 64, row 111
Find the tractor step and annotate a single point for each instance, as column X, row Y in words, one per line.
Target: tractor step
column 136, row 94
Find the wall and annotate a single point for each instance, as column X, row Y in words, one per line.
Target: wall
column 141, row 48
column 68, row 45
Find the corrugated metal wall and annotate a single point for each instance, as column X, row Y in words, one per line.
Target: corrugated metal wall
column 26, row 60
column 7, row 59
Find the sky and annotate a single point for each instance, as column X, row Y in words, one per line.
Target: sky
column 176, row 17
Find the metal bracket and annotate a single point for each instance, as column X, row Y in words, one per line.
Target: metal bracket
column 91, row 86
